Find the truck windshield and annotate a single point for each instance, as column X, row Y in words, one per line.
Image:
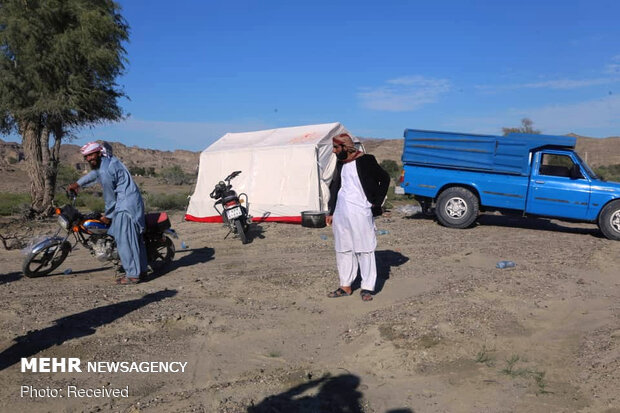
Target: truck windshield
column 589, row 170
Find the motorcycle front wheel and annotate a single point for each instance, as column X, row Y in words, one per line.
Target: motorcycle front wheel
column 160, row 253
column 45, row 260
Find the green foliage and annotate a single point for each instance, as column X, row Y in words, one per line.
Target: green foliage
column 12, row 160
column 393, row 198
column 527, row 126
column 91, row 202
column 11, row 203
column 392, row 168
column 87, row 201
column 175, row 176
column 485, row 357
column 165, row 202
column 609, row 172
column 142, row 171
column 66, row 175
column 58, row 62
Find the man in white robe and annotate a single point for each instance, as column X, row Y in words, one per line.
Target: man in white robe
column 357, row 191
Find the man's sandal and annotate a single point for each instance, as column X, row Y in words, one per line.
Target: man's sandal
column 366, row 295
column 338, row 293
column 127, row 281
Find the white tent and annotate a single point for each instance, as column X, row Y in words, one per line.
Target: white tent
column 283, row 171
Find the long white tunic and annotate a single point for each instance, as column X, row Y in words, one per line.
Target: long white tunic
column 353, row 223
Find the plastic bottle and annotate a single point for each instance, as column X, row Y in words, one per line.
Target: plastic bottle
column 505, row 264
column 184, row 245
column 382, row 231
column 324, row 237
column 67, row 271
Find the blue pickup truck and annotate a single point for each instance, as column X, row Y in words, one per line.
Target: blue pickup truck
column 461, row 175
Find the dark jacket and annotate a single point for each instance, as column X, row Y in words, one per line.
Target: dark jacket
column 375, row 182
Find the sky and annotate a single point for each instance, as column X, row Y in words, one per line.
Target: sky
column 198, row 69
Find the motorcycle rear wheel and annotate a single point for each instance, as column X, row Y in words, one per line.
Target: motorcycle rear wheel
column 160, row 253
column 43, row 262
column 241, row 231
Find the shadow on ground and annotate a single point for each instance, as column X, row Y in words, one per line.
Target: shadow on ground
column 10, row 277
column 540, row 224
column 74, row 326
column 386, row 259
column 337, row 394
column 516, row 221
column 184, row 258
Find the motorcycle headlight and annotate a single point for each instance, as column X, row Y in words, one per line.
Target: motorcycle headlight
column 63, row 222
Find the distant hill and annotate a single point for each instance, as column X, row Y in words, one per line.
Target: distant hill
column 130, row 155
column 595, row 151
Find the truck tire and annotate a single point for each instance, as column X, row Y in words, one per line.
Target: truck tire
column 457, row 207
column 609, row 220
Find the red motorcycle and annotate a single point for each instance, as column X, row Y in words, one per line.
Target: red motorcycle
column 89, row 231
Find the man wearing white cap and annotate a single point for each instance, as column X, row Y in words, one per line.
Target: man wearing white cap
column 357, row 191
column 124, row 208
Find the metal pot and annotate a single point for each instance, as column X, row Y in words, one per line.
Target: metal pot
column 313, row 219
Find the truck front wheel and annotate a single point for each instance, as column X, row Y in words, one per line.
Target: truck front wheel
column 457, row 208
column 609, row 220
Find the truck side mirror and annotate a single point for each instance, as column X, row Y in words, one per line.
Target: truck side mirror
column 575, row 172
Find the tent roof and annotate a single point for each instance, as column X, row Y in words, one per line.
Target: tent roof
column 298, row 135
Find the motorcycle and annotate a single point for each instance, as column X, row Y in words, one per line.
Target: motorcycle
column 89, row 231
column 234, row 215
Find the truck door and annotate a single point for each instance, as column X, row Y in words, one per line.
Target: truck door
column 553, row 192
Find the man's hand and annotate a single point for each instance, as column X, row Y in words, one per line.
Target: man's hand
column 105, row 220
column 74, row 187
column 328, row 220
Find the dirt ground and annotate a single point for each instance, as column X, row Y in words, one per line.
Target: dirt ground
column 446, row 332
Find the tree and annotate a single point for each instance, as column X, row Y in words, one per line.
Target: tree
column 392, row 168
column 526, row 127
column 58, row 63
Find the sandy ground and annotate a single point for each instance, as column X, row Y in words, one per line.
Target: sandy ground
column 446, row 331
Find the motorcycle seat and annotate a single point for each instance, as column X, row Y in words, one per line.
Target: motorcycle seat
column 229, row 198
column 157, row 221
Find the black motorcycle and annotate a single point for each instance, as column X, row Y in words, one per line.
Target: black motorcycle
column 45, row 255
column 234, row 215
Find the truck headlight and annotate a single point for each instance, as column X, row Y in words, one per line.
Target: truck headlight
column 63, row 222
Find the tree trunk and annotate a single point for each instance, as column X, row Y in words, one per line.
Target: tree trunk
column 41, row 165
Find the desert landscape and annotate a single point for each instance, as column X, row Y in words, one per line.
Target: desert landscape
column 446, row 331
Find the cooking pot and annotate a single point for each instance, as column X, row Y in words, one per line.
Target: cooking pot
column 313, row 219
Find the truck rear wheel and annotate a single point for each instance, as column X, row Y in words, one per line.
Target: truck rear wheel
column 609, row 220
column 457, row 208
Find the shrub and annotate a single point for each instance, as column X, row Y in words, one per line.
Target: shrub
column 175, row 176
column 87, row 201
column 66, row 175
column 11, row 203
column 92, row 202
column 12, row 160
column 609, row 172
column 137, row 170
column 392, row 168
column 165, row 201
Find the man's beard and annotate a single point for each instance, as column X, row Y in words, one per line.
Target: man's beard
column 96, row 165
column 342, row 155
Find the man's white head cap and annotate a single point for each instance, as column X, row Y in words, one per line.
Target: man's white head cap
column 92, row 147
